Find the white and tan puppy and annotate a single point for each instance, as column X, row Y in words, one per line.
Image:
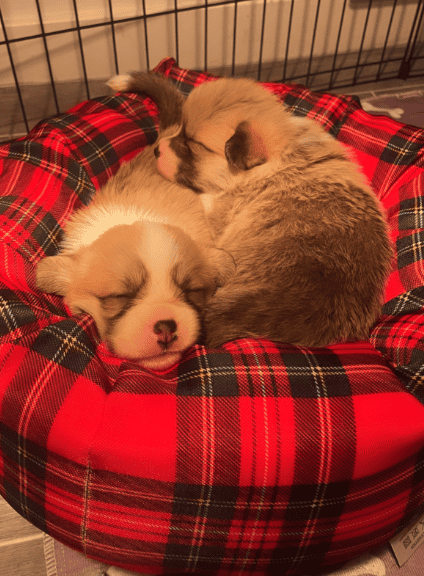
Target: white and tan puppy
column 140, row 259
column 308, row 236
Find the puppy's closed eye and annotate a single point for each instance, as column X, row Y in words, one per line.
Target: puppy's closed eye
column 198, row 296
column 115, row 303
column 197, row 145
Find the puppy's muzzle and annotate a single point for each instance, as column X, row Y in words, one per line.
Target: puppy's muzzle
column 166, row 331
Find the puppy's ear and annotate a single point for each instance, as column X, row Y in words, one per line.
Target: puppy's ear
column 54, row 274
column 246, row 148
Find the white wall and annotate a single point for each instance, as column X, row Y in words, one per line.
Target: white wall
column 21, row 19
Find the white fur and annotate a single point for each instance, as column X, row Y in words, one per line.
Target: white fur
column 96, row 221
column 208, row 199
column 119, row 83
column 160, row 253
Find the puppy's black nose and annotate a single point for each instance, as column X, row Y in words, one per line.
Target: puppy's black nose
column 166, row 332
column 165, row 326
column 156, row 152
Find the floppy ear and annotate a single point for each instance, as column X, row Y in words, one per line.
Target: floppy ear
column 54, row 274
column 246, row 148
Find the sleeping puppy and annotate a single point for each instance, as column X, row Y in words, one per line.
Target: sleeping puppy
column 308, row 235
column 141, row 260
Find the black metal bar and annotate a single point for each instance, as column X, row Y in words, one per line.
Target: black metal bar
column 119, row 21
column 355, row 76
column 234, row 38
column 15, row 77
column 380, row 67
column 146, row 40
column 81, row 49
column 46, row 50
column 414, row 20
column 405, row 67
column 410, row 54
column 417, row 31
column 313, row 43
column 206, row 35
column 354, row 67
column 262, row 40
column 112, row 27
column 336, row 52
column 288, row 41
column 177, row 51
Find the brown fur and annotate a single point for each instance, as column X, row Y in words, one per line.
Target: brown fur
column 141, row 260
column 307, row 233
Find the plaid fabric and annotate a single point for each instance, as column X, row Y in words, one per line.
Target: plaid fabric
column 259, row 458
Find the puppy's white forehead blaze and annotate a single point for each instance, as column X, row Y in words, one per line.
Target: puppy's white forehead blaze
column 159, row 252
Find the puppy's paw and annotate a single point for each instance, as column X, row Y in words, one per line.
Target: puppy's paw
column 119, row 83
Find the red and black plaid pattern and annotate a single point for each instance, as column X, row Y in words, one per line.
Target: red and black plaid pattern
column 260, row 458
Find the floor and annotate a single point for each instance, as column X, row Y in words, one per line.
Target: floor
column 21, row 545
column 403, row 103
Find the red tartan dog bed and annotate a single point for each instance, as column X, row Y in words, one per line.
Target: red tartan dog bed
column 260, row 458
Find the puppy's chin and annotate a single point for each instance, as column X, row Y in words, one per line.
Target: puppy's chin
column 161, row 362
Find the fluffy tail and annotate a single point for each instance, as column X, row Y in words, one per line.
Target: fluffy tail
column 163, row 93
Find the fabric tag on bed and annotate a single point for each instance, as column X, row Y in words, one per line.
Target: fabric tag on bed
column 406, row 542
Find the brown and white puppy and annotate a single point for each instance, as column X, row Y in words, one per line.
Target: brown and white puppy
column 140, row 259
column 307, row 233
